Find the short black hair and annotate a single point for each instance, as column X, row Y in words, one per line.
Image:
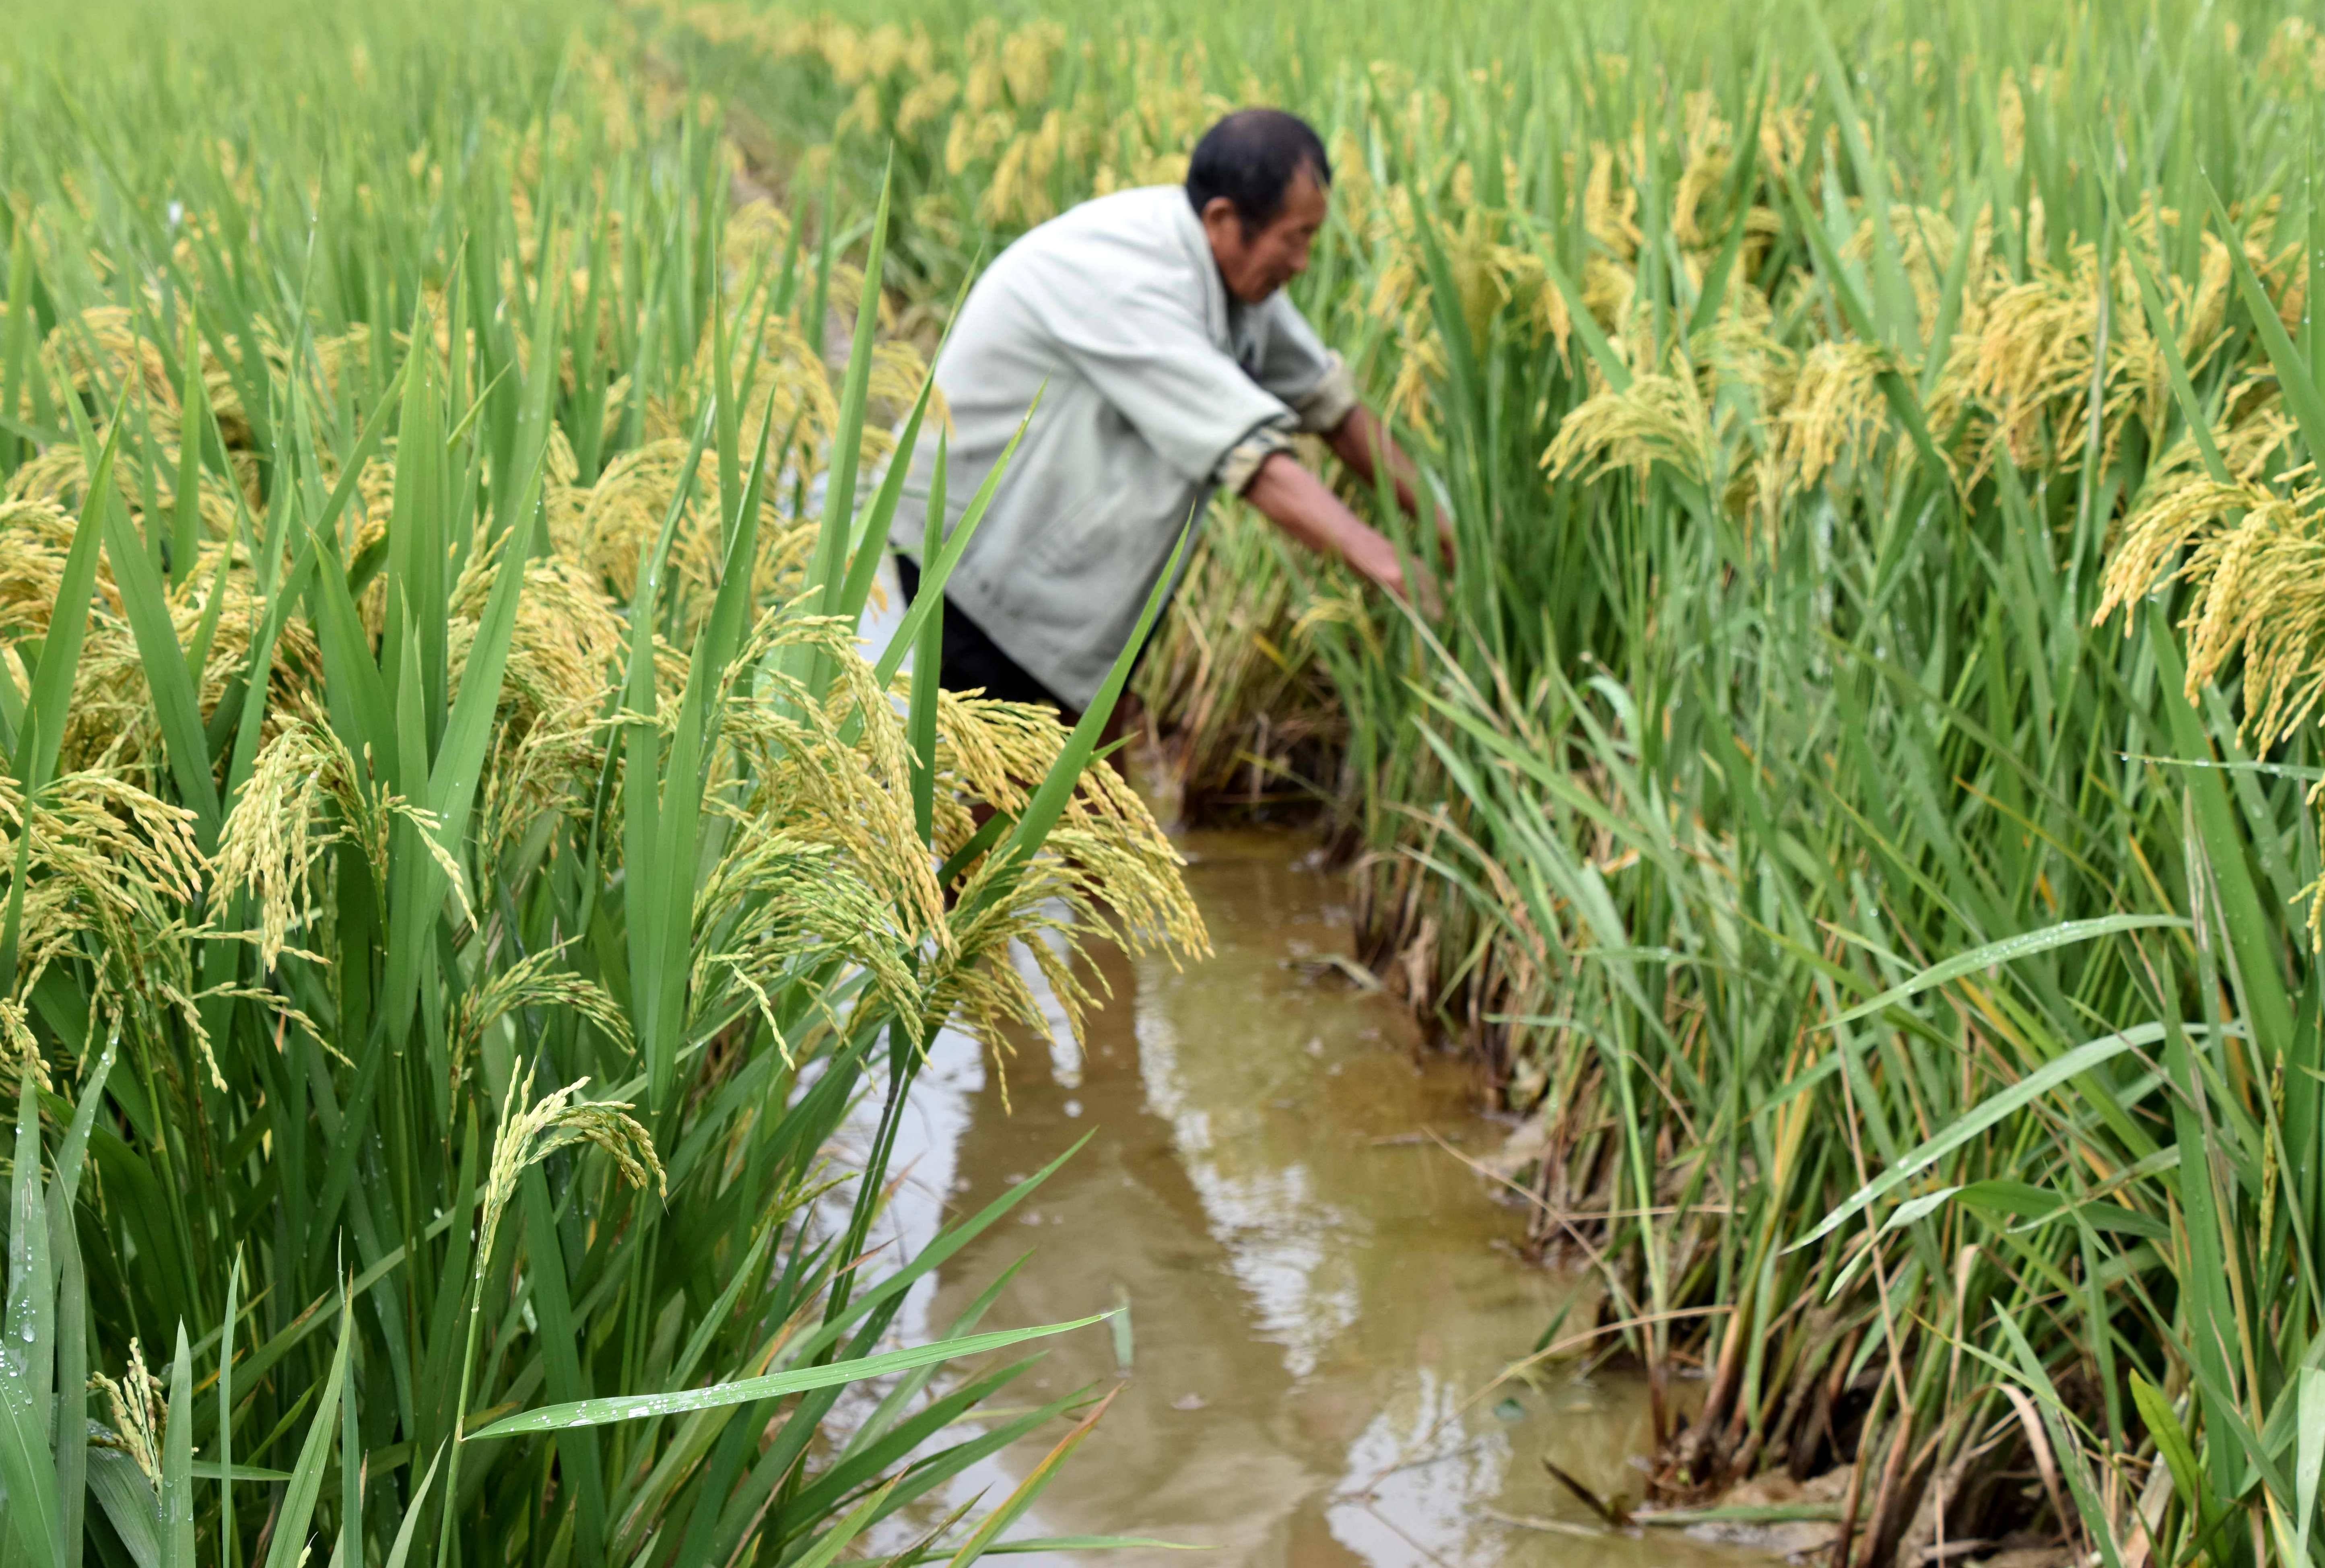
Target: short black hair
column 1251, row 158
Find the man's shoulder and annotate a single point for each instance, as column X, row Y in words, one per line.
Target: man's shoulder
column 1144, row 218
column 1092, row 262
column 1141, row 206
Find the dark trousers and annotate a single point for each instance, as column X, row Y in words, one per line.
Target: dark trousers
column 971, row 661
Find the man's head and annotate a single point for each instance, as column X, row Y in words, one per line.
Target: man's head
column 1260, row 181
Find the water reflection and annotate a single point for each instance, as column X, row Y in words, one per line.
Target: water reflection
column 1316, row 1289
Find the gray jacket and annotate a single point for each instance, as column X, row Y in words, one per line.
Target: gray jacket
column 1154, row 386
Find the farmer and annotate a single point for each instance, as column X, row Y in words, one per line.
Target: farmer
column 1152, row 326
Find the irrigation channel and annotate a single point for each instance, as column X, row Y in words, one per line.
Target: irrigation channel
column 1317, row 1289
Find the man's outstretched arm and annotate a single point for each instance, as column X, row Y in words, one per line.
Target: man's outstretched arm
column 1304, row 507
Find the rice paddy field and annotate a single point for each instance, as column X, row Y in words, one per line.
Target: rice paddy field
column 462, row 866
column 1859, row 799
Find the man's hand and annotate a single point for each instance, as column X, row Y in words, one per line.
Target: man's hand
column 1304, row 507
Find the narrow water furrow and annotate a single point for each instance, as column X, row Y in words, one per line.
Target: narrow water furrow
column 1318, row 1290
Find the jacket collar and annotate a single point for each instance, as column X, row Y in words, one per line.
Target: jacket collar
column 1219, row 313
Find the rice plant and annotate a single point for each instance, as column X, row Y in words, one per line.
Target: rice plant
column 461, row 869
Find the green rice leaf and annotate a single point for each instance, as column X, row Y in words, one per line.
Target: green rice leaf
column 1036, row 1482
column 827, row 572
column 289, row 1546
column 401, row 1550
column 870, row 542
column 2300, row 388
column 60, row 660
column 2170, row 1437
column 937, row 570
column 178, row 1461
column 175, row 705
column 27, row 1463
column 633, row 1407
column 1988, row 1112
column 2006, row 951
column 185, row 538
column 127, row 1500
column 2309, row 1460
column 834, row 1540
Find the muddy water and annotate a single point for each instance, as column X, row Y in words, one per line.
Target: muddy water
column 1316, row 1289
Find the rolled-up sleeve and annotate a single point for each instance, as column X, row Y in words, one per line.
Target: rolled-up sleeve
column 1241, row 465
column 1329, row 402
column 1310, row 379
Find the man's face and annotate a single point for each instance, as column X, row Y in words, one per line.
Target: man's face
column 1255, row 265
